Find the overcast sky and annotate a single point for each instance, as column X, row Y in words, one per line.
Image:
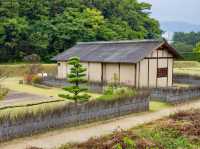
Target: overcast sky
column 176, row 10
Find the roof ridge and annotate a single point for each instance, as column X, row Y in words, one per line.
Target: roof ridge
column 122, row 41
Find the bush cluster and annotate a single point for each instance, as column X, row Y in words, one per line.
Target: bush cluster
column 113, row 93
column 32, row 79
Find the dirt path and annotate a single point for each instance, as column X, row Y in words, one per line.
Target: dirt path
column 56, row 138
column 16, row 97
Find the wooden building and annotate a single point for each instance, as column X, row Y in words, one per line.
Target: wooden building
column 139, row 63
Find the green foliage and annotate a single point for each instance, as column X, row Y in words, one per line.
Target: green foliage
column 76, row 77
column 188, row 38
column 157, row 105
column 168, row 137
column 128, row 143
column 47, row 27
column 185, row 43
column 197, row 48
column 111, row 93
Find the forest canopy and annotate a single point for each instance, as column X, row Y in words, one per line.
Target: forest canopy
column 187, row 44
column 48, row 27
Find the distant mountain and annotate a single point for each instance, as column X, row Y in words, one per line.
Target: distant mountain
column 171, row 26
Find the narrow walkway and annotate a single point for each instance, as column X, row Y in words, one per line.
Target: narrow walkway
column 56, row 138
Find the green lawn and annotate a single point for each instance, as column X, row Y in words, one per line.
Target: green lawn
column 13, row 84
column 157, row 106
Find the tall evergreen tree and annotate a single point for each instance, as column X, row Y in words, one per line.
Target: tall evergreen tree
column 76, row 77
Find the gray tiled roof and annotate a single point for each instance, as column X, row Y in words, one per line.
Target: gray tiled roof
column 114, row 51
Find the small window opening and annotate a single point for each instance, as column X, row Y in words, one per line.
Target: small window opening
column 162, row 72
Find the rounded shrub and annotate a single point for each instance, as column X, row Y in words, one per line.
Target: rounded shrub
column 36, row 79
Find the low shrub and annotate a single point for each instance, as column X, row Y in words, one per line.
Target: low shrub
column 117, row 93
column 32, row 79
column 36, row 79
column 168, row 137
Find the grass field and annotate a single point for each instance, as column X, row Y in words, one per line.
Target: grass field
column 157, row 105
column 20, row 69
column 47, row 94
column 187, row 67
column 13, row 84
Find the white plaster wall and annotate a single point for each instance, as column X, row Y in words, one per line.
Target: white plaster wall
column 62, row 70
column 152, row 72
column 154, row 53
column 162, row 63
column 127, row 74
column 137, row 74
column 170, row 72
column 142, row 70
column 111, row 71
column 160, row 53
column 104, row 72
column 143, row 76
column 94, row 72
column 166, row 53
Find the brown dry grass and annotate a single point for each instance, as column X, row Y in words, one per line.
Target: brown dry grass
column 187, row 123
column 21, row 69
column 109, row 142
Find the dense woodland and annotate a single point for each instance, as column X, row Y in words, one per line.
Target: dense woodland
column 188, row 45
column 47, row 27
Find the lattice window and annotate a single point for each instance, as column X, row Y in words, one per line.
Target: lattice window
column 162, row 72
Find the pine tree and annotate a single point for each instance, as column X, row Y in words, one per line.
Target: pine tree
column 76, row 77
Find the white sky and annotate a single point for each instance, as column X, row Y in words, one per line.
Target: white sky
column 176, row 10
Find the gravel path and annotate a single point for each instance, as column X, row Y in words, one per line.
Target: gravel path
column 56, row 138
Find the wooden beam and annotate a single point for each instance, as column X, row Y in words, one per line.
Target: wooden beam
column 158, row 58
column 148, row 73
